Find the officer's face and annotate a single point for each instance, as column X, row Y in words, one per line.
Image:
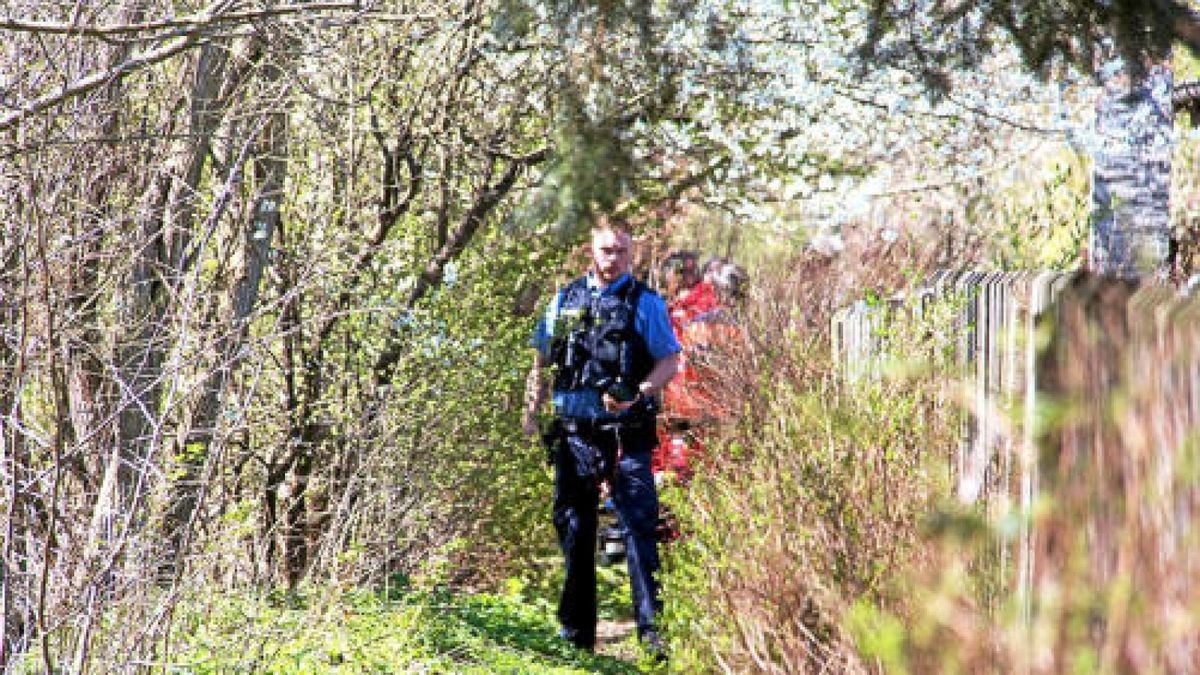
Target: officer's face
column 612, row 254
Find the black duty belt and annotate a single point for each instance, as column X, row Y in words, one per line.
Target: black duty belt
column 587, row 425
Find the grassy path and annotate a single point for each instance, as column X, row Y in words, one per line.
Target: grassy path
column 409, row 632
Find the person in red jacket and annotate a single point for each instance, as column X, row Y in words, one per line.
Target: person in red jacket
column 690, row 300
column 689, row 295
column 699, row 301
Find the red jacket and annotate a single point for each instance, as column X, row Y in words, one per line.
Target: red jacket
column 686, row 396
column 692, row 305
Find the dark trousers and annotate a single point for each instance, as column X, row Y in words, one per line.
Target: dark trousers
column 576, row 498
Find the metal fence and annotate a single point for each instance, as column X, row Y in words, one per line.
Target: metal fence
column 993, row 318
column 1081, row 417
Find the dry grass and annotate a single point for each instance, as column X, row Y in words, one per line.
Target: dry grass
column 823, row 536
column 813, row 497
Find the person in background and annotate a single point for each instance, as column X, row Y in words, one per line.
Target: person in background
column 702, row 314
column 612, row 348
column 712, row 267
column 689, row 295
column 691, row 300
column 729, row 281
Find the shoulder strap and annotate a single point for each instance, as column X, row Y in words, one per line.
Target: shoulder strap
column 633, row 295
column 574, row 292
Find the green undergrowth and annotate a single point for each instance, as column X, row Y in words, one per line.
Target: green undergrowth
column 401, row 630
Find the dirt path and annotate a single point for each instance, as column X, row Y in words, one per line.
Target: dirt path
column 611, row 639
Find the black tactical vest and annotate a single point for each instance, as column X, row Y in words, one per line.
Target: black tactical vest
column 595, row 344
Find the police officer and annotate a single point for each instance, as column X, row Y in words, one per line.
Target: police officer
column 610, row 346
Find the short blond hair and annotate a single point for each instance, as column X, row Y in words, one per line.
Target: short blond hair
column 609, row 223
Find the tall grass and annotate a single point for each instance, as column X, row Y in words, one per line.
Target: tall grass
column 811, row 503
column 823, row 536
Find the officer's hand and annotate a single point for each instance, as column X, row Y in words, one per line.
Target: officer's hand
column 612, row 405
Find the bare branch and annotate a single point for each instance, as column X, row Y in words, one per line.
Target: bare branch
column 196, row 21
column 98, row 79
column 186, row 33
column 486, row 199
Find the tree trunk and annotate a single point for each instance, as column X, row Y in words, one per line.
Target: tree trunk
column 14, row 621
column 194, row 445
column 293, row 466
column 1131, row 227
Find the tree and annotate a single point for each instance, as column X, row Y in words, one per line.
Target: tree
column 120, row 186
column 1124, row 44
column 931, row 38
column 250, row 203
column 268, row 267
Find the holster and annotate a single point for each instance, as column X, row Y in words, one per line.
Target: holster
column 575, row 440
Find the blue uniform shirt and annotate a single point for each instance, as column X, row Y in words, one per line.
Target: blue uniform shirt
column 651, row 321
